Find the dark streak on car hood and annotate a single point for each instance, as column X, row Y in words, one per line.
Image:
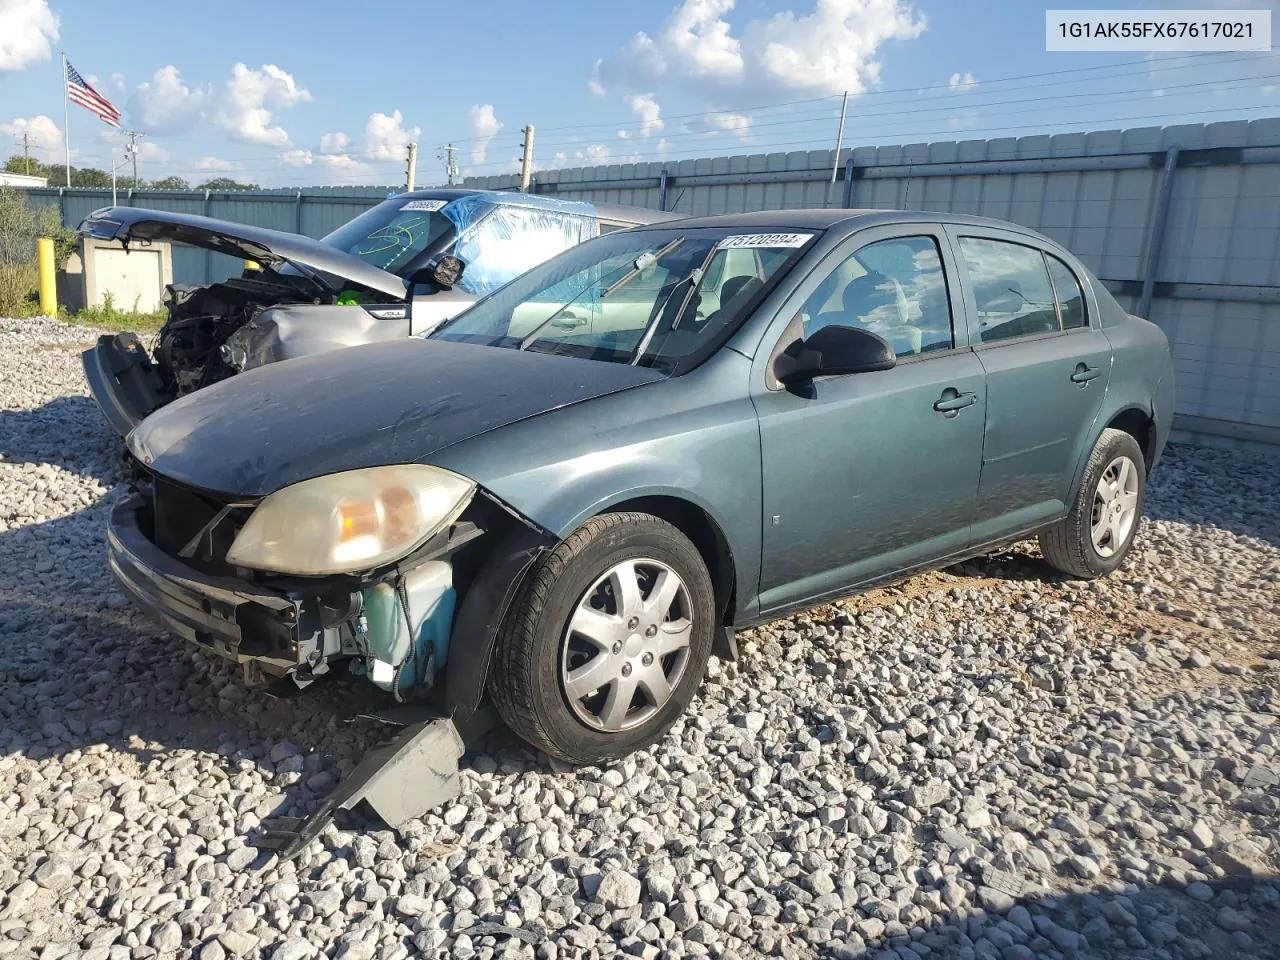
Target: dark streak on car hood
column 273, row 247
column 398, row 401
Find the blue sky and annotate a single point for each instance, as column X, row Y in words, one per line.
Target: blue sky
column 326, row 92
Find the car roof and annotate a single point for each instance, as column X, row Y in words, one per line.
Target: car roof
column 826, row 218
column 606, row 211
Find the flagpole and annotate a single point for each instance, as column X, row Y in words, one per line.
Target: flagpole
column 66, row 119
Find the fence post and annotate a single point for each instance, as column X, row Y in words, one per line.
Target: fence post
column 62, row 205
column 1155, row 238
column 849, row 168
column 297, row 212
column 662, row 191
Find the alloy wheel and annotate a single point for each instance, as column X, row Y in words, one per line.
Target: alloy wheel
column 1115, row 507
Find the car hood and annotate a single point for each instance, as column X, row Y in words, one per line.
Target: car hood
column 271, row 247
column 399, row 401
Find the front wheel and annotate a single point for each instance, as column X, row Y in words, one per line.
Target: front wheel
column 608, row 640
column 1095, row 537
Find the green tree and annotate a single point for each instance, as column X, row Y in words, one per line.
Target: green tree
column 170, row 183
column 225, row 183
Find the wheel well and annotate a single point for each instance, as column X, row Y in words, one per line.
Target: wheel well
column 694, row 523
column 1139, row 425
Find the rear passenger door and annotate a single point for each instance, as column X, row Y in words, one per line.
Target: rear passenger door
column 1047, row 368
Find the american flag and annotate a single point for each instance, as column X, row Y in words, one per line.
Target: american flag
column 80, row 92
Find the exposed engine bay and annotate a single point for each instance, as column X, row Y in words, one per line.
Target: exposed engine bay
column 189, row 349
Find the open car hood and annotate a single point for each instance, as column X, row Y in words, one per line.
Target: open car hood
column 269, row 247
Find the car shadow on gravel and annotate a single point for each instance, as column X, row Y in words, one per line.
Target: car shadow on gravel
column 1230, row 917
column 67, row 432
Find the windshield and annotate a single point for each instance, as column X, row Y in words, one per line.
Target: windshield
column 392, row 234
column 661, row 298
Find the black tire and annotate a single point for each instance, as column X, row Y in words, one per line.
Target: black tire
column 525, row 679
column 1068, row 545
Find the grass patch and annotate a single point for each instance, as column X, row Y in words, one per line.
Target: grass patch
column 110, row 317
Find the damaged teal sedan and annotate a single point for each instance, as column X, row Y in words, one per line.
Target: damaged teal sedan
column 564, row 500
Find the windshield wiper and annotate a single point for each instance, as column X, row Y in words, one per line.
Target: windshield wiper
column 642, row 262
column 694, row 279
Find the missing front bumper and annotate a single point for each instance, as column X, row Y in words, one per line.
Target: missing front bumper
column 224, row 616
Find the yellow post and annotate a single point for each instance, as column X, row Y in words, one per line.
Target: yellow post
column 48, row 281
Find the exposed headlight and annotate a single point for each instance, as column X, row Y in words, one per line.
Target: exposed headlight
column 347, row 522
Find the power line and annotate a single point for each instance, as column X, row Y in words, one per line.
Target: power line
column 1198, row 59
column 1117, row 97
column 977, row 132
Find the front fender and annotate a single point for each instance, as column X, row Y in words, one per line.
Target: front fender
column 598, row 482
column 302, row 330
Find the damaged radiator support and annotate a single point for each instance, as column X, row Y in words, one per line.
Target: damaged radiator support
column 414, row 771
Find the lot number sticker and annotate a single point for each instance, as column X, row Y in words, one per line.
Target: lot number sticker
column 428, row 205
column 765, row 240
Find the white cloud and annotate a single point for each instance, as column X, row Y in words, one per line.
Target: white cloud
column 165, row 104
column 484, row 127
column 962, row 82
column 28, row 29
column 598, row 151
column 44, row 136
column 827, row 51
column 560, row 159
column 698, row 38
column 721, row 121
column 647, row 112
column 344, row 168
column 296, row 158
column 244, row 107
column 117, row 81
column 385, row 137
column 334, row 142
column 213, row 165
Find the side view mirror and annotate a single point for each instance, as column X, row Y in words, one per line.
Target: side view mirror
column 443, row 271
column 834, row 351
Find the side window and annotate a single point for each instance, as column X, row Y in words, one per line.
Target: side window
column 1012, row 289
column 894, row 288
column 1070, row 296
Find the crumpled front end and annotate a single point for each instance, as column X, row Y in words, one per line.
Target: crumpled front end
column 167, row 546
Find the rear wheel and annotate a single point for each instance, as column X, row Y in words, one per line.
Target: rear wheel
column 1096, row 536
column 608, row 641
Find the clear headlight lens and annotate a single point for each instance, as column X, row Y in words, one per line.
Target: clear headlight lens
column 348, row 522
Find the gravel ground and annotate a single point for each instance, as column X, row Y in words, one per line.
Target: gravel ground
column 985, row 762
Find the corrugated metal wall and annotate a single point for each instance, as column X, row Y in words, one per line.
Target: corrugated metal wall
column 1182, row 223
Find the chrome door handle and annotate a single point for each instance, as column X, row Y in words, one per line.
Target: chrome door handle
column 1084, row 373
column 952, row 401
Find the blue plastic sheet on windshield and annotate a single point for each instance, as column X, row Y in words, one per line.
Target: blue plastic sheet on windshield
column 501, row 238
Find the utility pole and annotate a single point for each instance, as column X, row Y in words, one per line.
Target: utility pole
column 26, row 151
column 526, row 161
column 132, row 149
column 412, row 170
column 450, row 164
column 835, row 163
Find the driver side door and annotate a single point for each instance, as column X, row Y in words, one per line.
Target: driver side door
column 869, row 474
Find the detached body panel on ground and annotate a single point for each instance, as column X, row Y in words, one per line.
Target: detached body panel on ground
column 570, row 495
